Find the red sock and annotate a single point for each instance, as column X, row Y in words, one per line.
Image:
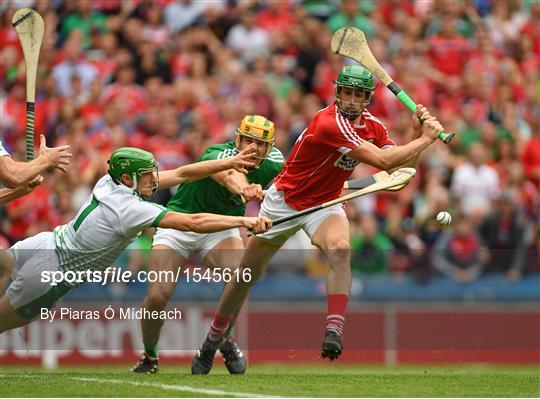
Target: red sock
column 218, row 327
column 337, row 305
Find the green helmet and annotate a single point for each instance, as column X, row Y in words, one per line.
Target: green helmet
column 134, row 162
column 358, row 79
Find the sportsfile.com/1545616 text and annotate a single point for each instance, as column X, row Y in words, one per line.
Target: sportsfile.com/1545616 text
column 119, row 275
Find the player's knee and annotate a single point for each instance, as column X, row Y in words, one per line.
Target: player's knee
column 339, row 245
column 157, row 299
column 338, row 253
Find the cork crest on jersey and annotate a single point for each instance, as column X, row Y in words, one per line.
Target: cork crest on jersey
column 346, row 163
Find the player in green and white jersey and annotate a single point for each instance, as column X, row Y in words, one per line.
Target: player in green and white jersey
column 223, row 193
column 112, row 217
column 20, row 178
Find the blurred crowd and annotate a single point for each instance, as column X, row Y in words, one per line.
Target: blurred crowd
column 174, row 76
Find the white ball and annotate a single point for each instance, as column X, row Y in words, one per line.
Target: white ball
column 444, row 218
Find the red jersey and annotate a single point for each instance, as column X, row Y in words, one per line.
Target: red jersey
column 318, row 165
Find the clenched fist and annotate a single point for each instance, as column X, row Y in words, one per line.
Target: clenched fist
column 253, row 192
column 257, row 225
column 431, row 128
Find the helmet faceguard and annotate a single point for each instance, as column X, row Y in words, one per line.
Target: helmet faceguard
column 134, row 162
column 354, row 89
column 257, row 128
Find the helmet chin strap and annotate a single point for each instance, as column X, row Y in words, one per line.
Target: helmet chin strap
column 135, row 182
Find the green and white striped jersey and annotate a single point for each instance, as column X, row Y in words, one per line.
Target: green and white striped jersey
column 112, row 217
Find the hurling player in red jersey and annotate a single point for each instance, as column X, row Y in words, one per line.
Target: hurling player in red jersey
column 338, row 138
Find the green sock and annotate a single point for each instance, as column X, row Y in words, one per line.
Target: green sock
column 228, row 333
column 151, row 351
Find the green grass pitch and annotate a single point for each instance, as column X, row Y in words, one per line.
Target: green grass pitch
column 275, row 380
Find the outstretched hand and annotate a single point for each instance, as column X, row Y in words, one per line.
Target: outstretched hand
column 56, row 157
column 244, row 159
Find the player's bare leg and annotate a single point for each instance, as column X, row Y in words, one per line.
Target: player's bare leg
column 256, row 258
column 9, row 319
column 332, row 237
column 228, row 255
column 6, row 267
column 159, row 293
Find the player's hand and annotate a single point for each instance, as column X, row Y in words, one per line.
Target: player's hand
column 244, row 159
column 431, row 128
column 36, row 181
column 30, row 185
column 56, row 157
column 257, row 225
column 421, row 114
column 253, row 192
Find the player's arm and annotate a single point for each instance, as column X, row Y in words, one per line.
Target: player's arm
column 9, row 194
column 210, row 223
column 238, row 184
column 390, row 158
column 233, row 181
column 421, row 113
column 200, row 170
column 14, row 174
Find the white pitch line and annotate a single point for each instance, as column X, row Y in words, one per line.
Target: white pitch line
column 184, row 388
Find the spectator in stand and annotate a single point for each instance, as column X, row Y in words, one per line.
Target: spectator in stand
column 278, row 16
column 531, row 159
column 469, row 130
column 166, row 146
column 180, row 14
column 74, row 64
column 459, row 253
column 474, row 183
column 351, row 14
column 132, row 95
column 112, row 130
column 247, row 39
column 85, row 20
column 447, row 51
column 505, row 21
column 370, row 249
column 503, row 231
column 154, row 30
column 105, row 56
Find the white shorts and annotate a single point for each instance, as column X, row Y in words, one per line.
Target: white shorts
column 186, row 242
column 27, row 293
column 274, row 206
